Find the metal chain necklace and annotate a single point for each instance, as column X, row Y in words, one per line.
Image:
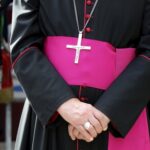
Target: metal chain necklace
column 79, row 47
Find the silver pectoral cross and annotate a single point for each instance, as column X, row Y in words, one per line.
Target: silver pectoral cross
column 78, row 48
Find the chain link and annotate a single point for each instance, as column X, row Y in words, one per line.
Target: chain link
column 77, row 18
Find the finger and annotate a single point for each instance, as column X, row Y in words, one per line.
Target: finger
column 104, row 123
column 85, row 134
column 92, row 130
column 70, row 131
column 76, row 132
column 104, row 120
column 96, row 124
column 81, row 137
column 78, row 135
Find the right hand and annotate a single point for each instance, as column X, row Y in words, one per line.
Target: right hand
column 77, row 113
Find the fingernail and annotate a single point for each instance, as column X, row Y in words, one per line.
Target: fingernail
column 105, row 129
column 91, row 139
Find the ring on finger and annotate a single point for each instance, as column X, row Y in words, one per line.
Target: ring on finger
column 87, row 125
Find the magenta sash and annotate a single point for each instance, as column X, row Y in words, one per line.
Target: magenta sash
column 98, row 68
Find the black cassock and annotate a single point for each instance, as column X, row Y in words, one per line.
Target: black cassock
column 122, row 23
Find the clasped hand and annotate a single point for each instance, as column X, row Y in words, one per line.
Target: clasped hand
column 77, row 113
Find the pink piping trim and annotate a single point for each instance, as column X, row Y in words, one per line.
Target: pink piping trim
column 77, row 148
column 21, row 54
column 145, row 57
column 80, row 91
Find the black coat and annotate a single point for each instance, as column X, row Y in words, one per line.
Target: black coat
column 123, row 23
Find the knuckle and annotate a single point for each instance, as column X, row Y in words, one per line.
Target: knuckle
column 97, row 124
column 103, row 117
column 89, row 106
column 77, row 122
column 102, row 120
column 77, row 116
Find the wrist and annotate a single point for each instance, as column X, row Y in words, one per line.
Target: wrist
column 71, row 101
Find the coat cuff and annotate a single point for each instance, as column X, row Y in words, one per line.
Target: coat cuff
column 126, row 98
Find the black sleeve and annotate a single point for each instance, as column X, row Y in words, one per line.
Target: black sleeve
column 44, row 87
column 130, row 92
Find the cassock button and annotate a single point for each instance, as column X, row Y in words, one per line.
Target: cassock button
column 89, row 2
column 87, row 16
column 88, row 29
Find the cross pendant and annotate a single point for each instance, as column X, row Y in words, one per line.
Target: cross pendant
column 78, row 48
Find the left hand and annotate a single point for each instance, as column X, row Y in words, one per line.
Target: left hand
column 75, row 134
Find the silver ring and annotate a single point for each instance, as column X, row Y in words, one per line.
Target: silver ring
column 87, row 125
